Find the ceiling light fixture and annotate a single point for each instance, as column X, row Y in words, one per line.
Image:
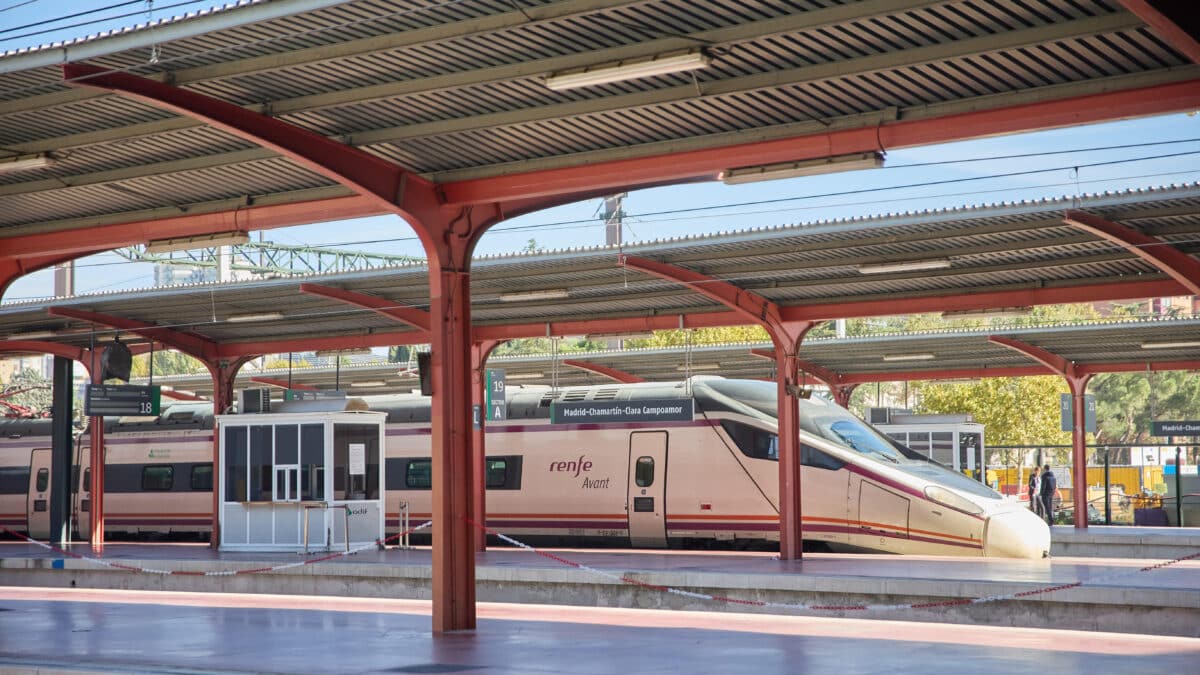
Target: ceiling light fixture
column 908, row 357
column 644, row 335
column 349, row 351
column 33, row 335
column 524, row 376
column 907, row 266
column 549, row 294
column 368, row 383
column 997, row 313
column 234, row 238
column 1169, row 345
column 262, row 316
column 630, row 69
column 698, row 366
column 808, row 167
column 23, row 162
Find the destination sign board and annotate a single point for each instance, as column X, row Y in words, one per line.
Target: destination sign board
column 1183, row 428
column 497, row 407
column 1066, row 408
column 121, row 399
column 600, row 412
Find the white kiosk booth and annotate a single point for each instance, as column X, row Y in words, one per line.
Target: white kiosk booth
column 301, row 481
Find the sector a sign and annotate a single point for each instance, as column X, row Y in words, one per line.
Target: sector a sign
column 609, row 412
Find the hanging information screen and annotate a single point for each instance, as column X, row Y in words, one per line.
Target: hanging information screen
column 121, row 399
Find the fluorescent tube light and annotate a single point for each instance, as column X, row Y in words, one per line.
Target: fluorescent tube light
column 23, row 162
column 997, row 313
column 349, row 351
column 199, row 241
column 549, row 294
column 908, row 357
column 698, row 366
column 1169, row 345
column 644, row 335
column 808, row 167
column 907, row 266
column 33, row 335
column 263, row 316
column 524, row 376
column 631, row 69
column 368, row 383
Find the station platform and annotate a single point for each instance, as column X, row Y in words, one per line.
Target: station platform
column 1146, row 596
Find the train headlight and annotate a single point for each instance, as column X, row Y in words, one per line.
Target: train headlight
column 941, row 495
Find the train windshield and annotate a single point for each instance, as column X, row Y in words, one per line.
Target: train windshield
column 836, row 424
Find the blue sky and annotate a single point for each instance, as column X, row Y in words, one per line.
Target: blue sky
column 887, row 190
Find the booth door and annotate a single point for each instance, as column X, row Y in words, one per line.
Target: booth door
column 287, row 483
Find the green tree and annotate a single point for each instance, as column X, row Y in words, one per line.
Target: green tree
column 1013, row 410
column 166, row 362
column 1126, row 403
column 701, row 336
column 37, row 395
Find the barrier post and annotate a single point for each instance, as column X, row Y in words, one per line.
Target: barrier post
column 1178, row 486
column 1107, row 490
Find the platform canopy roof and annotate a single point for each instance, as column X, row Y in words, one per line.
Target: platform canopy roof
column 1108, row 346
column 1012, row 256
column 466, row 93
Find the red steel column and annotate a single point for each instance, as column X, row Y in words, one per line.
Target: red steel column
column 96, row 514
column 787, row 336
column 480, row 350
column 223, row 374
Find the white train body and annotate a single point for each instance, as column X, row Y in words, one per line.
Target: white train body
column 648, row 484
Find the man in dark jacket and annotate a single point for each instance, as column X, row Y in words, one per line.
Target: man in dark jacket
column 1049, row 489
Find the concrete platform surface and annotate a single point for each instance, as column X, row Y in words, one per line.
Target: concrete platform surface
column 1099, row 594
column 77, row 631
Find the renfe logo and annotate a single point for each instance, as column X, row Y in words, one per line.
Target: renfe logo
column 574, row 466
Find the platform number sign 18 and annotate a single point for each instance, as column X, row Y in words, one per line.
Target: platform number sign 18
column 497, row 408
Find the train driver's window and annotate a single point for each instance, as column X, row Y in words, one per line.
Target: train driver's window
column 643, row 473
column 755, row 443
column 43, row 479
column 158, row 477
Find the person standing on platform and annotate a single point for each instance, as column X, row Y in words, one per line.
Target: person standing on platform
column 1049, row 488
column 1035, row 492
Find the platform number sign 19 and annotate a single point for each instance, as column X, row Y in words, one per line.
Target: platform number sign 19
column 497, row 408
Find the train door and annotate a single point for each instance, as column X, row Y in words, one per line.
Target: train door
column 647, row 489
column 37, row 513
column 882, row 513
column 81, row 483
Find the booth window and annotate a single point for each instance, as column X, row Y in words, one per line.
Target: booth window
column 262, row 470
column 312, row 462
column 355, row 461
column 235, row 464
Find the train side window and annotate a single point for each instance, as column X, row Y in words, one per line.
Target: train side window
column 810, row 456
column 754, row 443
column 419, row 474
column 75, row 478
column 87, row 479
column 43, row 479
column 158, row 477
column 504, row 473
column 643, row 472
column 14, row 480
column 202, row 476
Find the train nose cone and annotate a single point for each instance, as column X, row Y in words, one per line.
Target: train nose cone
column 1018, row 533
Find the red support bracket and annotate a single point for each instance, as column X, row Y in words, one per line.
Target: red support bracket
column 611, row 373
column 1178, row 265
column 410, row 316
column 750, row 305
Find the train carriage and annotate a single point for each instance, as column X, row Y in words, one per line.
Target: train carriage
column 711, row 476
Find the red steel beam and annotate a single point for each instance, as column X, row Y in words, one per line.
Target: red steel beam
column 1178, row 265
column 251, row 218
column 606, row 371
column 410, row 316
column 192, row 345
column 626, row 174
column 394, row 187
column 180, row 395
column 1165, row 17
column 749, row 305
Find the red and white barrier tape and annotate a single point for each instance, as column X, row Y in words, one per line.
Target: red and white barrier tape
column 830, row 608
column 219, row 573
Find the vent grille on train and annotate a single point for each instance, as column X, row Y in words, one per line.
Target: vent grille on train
column 575, row 395
column 606, row 394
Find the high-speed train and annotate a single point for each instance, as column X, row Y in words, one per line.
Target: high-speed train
column 710, row 476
